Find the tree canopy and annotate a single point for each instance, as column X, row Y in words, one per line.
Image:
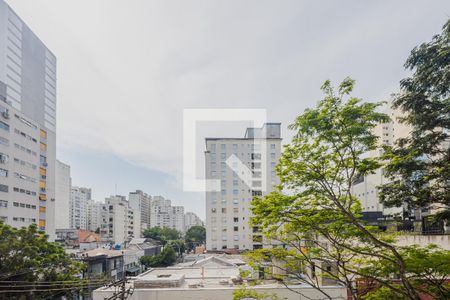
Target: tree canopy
column 419, row 165
column 27, row 257
column 313, row 219
column 195, row 236
column 164, row 259
column 163, row 235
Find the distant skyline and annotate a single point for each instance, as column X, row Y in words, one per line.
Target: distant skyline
column 127, row 69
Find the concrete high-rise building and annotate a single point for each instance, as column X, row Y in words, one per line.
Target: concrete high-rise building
column 177, row 218
column 120, row 223
column 365, row 188
column 79, row 199
column 159, row 212
column 27, row 126
column 163, row 214
column 140, row 201
column 63, row 194
column 94, row 215
column 191, row 219
column 238, row 169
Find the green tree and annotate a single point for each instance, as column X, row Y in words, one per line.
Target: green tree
column 166, row 258
column 195, row 236
column 28, row 260
column 163, row 235
column 314, row 220
column 419, row 165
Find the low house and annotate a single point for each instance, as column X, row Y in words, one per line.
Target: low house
column 103, row 262
column 78, row 238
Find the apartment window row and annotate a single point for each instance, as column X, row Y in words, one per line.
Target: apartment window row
column 24, row 177
column 24, row 205
column 26, row 122
column 25, row 135
column 24, row 191
column 25, row 149
column 25, row 163
column 20, row 219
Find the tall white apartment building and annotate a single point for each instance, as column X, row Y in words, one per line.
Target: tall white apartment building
column 63, row 194
column 177, row 218
column 80, row 196
column 163, row 214
column 94, row 216
column 120, row 223
column 27, row 126
column 140, row 201
column 365, row 188
column 236, row 170
column 191, row 219
column 159, row 212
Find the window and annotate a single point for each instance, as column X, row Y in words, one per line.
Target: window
column 272, row 155
column 223, row 156
column 272, row 164
column 235, row 210
column 4, row 141
column 256, row 193
column 213, row 210
column 235, row 228
column 4, row 126
column 235, row 192
column 213, row 165
column 3, row 173
column 3, row 203
column 273, row 173
column 235, row 220
column 213, row 173
column 272, row 146
column 256, row 155
column 223, row 192
column 224, row 210
column 223, row 183
column 213, row 156
column 223, row 147
column 235, row 182
column 223, row 173
column 3, row 188
column 235, row 201
column 223, row 165
column 235, row 147
column 213, row 148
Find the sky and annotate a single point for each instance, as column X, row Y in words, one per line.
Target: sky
column 126, row 71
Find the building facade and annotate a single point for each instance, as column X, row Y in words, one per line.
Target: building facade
column 79, row 199
column 94, row 215
column 191, row 219
column 120, row 223
column 365, row 187
column 140, row 201
column 63, row 194
column 163, row 214
column 238, row 169
column 27, row 126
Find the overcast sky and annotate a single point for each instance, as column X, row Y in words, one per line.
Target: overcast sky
column 127, row 69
